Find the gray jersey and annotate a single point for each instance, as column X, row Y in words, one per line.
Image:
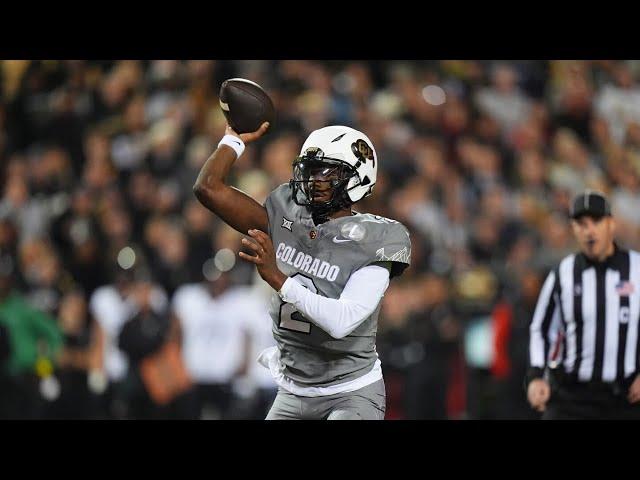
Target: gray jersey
column 323, row 258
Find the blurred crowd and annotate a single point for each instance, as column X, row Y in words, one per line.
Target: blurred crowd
column 122, row 297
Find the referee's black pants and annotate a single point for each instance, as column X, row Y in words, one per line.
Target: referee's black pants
column 573, row 400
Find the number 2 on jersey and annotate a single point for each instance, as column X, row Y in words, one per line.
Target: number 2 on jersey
column 292, row 319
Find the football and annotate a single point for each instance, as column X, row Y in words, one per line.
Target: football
column 245, row 105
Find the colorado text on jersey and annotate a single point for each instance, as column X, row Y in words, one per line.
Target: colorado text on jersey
column 306, row 263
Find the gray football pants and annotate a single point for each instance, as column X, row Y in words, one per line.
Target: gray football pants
column 368, row 403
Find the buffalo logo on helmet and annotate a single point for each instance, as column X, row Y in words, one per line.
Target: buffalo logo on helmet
column 363, row 151
column 314, row 152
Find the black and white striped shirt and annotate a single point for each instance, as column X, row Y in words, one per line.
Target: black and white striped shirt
column 586, row 319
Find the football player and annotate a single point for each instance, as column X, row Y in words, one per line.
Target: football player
column 328, row 265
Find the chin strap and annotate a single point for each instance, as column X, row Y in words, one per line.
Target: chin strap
column 319, row 218
column 321, row 213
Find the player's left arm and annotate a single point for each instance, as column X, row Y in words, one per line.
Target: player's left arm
column 338, row 317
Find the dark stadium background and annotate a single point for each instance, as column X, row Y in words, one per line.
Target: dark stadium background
column 478, row 158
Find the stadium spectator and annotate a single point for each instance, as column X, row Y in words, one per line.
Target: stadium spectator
column 112, row 306
column 77, row 364
column 212, row 317
column 34, row 342
column 255, row 384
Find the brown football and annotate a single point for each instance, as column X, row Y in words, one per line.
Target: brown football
column 245, row 105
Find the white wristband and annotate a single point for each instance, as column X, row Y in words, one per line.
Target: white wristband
column 234, row 142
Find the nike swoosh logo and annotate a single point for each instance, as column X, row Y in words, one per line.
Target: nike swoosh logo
column 235, row 142
column 338, row 240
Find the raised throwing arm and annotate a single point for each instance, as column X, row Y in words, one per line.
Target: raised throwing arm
column 235, row 207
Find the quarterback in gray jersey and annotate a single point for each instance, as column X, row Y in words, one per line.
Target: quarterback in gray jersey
column 329, row 267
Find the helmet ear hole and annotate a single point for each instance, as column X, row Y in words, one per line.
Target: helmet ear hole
column 365, row 180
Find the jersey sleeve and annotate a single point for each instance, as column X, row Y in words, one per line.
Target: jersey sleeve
column 541, row 330
column 394, row 246
column 339, row 317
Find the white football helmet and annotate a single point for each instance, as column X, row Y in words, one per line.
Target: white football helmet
column 347, row 155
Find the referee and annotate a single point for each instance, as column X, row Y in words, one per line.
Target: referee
column 584, row 351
